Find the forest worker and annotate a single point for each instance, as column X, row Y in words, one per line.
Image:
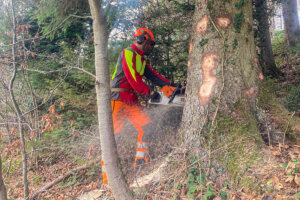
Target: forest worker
column 127, row 80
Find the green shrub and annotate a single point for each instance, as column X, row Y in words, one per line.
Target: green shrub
column 292, row 101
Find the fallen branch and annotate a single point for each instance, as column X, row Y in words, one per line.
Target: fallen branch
column 61, row 178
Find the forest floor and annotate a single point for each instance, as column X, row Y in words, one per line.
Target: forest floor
column 278, row 176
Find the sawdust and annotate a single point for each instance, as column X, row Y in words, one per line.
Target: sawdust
column 152, row 177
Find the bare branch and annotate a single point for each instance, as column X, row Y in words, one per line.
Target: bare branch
column 83, row 70
column 63, row 70
column 81, row 17
column 16, row 123
column 61, row 178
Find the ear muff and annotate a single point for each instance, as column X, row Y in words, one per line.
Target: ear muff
column 141, row 38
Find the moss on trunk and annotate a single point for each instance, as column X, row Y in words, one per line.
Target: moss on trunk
column 238, row 137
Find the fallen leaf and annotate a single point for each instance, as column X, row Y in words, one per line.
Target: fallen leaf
column 290, row 167
column 292, row 155
column 289, row 179
column 209, row 183
column 90, row 151
column 279, row 186
column 62, row 104
column 247, row 196
column 297, row 180
column 217, row 198
column 283, row 146
column 276, row 153
column 279, row 197
column 274, row 179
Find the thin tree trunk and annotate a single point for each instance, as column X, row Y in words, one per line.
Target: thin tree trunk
column 16, row 106
column 266, row 57
column 281, row 18
column 35, row 122
column 115, row 177
column 291, row 21
column 3, row 195
column 272, row 20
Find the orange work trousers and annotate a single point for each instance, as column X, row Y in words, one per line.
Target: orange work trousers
column 134, row 113
column 139, row 118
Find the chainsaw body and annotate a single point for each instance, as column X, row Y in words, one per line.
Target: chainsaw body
column 169, row 96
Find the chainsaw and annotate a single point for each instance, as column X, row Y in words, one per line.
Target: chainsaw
column 168, row 96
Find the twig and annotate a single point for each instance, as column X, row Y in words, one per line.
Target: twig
column 220, row 93
column 81, row 17
column 43, row 148
column 24, row 123
column 268, row 133
column 287, row 126
column 62, row 70
column 222, row 68
column 61, row 178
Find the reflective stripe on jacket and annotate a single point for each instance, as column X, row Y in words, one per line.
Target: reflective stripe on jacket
column 129, row 72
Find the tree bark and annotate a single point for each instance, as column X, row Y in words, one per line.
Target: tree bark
column 16, row 105
column 272, row 19
column 291, row 21
column 222, row 83
column 115, row 177
column 3, row 195
column 266, row 57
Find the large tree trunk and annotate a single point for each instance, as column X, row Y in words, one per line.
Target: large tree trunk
column 266, row 57
column 291, row 21
column 116, row 180
column 222, row 83
column 3, row 195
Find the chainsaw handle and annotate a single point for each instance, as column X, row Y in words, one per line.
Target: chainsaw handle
column 174, row 93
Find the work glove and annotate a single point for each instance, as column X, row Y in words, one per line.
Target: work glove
column 154, row 96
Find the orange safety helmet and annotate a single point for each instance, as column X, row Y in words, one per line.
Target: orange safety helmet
column 143, row 34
